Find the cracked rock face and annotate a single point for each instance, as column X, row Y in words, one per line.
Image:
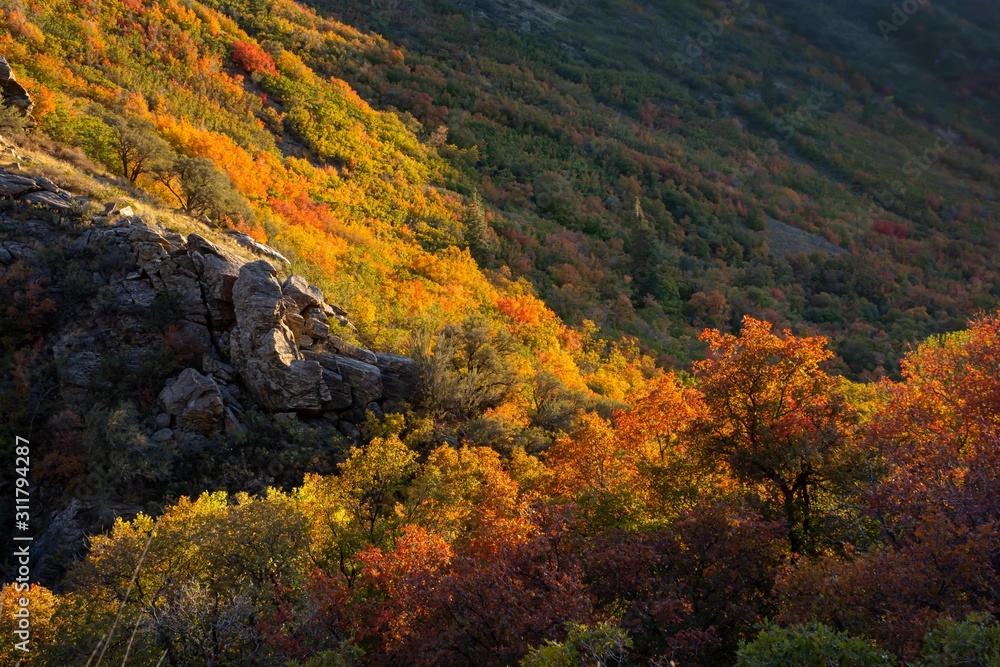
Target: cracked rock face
column 351, row 382
column 341, row 396
column 400, row 377
column 365, row 380
column 263, row 348
column 217, row 271
column 343, row 348
column 267, row 344
column 277, row 335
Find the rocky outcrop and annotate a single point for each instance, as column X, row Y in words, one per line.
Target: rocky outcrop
column 262, row 343
column 306, row 313
column 195, row 402
column 68, row 527
column 12, row 251
column 36, row 190
column 256, row 248
column 195, row 342
column 217, row 271
column 353, row 383
column 217, row 369
column 339, row 346
column 277, row 336
column 341, row 394
column 12, row 92
column 263, row 348
column 365, row 380
column 305, row 300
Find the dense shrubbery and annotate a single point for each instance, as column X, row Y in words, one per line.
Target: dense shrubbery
column 630, row 541
column 564, row 140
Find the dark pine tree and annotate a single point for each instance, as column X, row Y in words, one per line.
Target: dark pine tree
column 647, row 255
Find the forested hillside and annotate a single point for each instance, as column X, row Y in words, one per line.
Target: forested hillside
column 740, row 128
column 664, row 332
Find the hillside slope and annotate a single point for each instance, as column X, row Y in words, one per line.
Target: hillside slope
column 717, row 115
column 251, row 138
column 863, row 141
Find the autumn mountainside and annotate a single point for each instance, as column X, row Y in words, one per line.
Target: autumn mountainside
column 503, row 332
column 797, row 128
column 742, row 128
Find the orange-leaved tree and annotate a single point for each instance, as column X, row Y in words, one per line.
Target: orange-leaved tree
column 776, row 419
column 658, row 429
column 591, row 468
column 939, row 429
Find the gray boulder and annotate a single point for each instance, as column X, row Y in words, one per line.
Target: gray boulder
column 35, row 190
column 307, row 314
column 15, row 185
column 316, row 325
column 12, row 251
column 135, row 292
column 343, row 348
column 365, row 380
column 217, row 270
column 195, row 402
column 177, row 277
column 148, row 244
column 51, row 200
column 340, row 391
column 253, row 246
column 300, row 295
column 400, row 377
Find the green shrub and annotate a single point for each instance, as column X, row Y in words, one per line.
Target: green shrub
column 811, row 645
column 466, row 370
column 202, row 189
column 974, row 642
column 602, row 645
column 12, row 120
column 136, row 145
column 120, row 454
